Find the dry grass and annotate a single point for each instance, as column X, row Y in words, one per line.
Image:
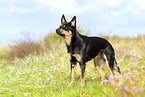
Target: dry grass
column 26, row 46
column 23, row 49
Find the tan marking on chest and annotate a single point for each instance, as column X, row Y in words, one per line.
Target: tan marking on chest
column 77, row 56
column 67, row 37
column 67, row 40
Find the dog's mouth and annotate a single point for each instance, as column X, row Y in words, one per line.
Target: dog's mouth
column 59, row 32
column 62, row 35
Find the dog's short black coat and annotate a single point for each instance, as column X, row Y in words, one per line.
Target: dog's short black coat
column 82, row 49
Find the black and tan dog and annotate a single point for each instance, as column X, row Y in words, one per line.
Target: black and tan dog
column 82, row 48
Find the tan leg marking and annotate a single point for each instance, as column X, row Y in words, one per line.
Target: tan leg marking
column 99, row 64
column 83, row 81
column 73, row 75
column 100, row 70
column 77, row 56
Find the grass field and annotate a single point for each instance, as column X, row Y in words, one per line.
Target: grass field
column 48, row 74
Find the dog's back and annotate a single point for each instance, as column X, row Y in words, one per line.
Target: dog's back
column 96, row 45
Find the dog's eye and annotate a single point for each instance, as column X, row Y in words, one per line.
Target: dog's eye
column 64, row 26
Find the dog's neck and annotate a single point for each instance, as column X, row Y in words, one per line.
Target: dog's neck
column 76, row 37
column 73, row 39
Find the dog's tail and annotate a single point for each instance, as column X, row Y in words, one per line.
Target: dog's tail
column 116, row 67
column 110, row 54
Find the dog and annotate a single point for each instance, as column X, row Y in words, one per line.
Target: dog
column 82, row 49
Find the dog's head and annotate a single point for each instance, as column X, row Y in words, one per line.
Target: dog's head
column 67, row 29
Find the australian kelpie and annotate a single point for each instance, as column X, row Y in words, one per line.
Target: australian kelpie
column 82, row 49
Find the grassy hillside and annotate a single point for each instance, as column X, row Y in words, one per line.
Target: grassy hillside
column 48, row 74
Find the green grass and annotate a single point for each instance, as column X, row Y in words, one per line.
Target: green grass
column 48, row 74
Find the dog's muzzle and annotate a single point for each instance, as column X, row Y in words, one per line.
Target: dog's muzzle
column 59, row 32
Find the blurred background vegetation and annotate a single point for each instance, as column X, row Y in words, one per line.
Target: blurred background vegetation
column 28, row 45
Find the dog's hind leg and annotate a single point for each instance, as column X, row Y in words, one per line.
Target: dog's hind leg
column 99, row 62
column 110, row 63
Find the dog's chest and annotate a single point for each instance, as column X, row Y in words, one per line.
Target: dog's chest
column 73, row 50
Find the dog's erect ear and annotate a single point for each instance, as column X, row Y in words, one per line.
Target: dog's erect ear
column 73, row 21
column 63, row 19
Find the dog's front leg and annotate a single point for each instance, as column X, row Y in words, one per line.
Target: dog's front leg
column 82, row 66
column 73, row 68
